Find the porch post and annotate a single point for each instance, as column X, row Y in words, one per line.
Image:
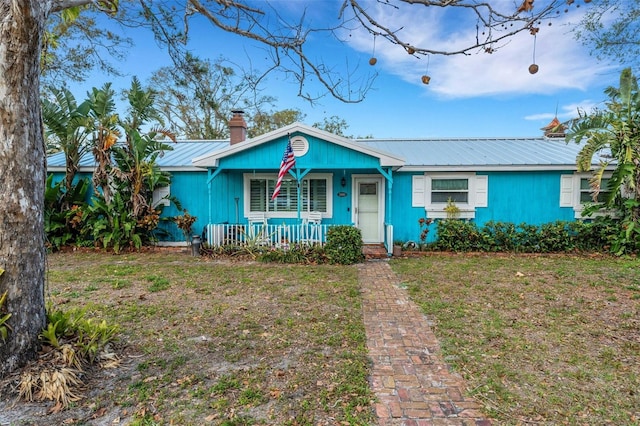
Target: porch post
column 388, row 175
column 211, row 177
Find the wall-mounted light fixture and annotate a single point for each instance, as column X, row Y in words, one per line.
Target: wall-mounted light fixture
column 343, row 182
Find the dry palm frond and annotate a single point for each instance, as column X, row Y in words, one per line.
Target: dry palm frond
column 109, row 359
column 57, row 384
column 70, row 357
column 28, row 385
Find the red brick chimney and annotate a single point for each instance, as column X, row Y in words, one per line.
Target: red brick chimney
column 237, row 127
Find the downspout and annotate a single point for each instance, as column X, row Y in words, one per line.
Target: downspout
column 210, row 178
column 388, row 175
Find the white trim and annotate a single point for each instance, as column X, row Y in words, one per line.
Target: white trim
column 487, row 168
column 576, row 190
column 160, row 196
column 417, row 191
column 246, row 185
column 566, row 190
column 355, row 179
column 481, row 192
column 212, row 159
column 299, row 145
column 477, row 195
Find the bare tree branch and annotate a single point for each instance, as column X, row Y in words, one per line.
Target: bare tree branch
column 493, row 26
column 109, row 6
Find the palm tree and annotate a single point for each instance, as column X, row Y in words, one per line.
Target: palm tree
column 105, row 136
column 614, row 131
column 67, row 127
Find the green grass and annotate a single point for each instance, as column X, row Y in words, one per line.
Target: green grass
column 540, row 339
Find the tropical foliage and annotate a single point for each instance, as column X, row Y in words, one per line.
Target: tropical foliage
column 68, row 128
column 613, row 134
column 121, row 212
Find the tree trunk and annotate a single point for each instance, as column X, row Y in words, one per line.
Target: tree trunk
column 22, row 179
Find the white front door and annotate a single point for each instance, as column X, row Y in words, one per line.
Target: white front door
column 369, row 208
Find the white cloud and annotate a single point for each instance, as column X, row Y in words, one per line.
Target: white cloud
column 566, row 112
column 563, row 62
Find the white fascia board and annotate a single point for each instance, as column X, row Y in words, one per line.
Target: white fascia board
column 182, row 169
column 211, row 160
column 477, row 168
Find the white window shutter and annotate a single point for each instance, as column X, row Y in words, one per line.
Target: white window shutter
column 482, row 191
column 417, row 191
column 160, row 196
column 566, row 190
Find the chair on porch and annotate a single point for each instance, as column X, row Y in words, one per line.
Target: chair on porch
column 257, row 232
column 311, row 228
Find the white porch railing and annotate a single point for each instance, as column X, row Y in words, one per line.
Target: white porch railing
column 268, row 235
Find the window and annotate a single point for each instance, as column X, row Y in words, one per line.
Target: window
column 315, row 190
column 575, row 192
column 432, row 191
column 443, row 190
column 586, row 194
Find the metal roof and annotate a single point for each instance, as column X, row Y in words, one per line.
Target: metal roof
column 418, row 154
column 480, row 152
column 179, row 158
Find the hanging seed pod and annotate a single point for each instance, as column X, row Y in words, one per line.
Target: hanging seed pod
column 533, row 68
column 372, row 61
column 411, row 50
column 426, row 79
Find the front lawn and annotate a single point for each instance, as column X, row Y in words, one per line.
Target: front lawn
column 540, row 339
column 214, row 342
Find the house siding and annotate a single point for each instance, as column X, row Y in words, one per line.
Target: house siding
column 529, row 197
column 523, row 177
column 321, row 154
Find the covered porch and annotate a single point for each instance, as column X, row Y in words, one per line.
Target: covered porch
column 333, row 182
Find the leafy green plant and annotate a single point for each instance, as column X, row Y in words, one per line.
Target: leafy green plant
column 457, row 235
column 64, row 212
column 616, row 131
column 344, row 245
column 71, row 327
column 601, row 234
column 112, row 225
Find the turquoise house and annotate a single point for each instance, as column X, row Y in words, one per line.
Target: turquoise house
column 382, row 187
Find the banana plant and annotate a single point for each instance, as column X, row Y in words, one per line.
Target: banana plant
column 614, row 135
column 67, row 127
column 614, row 132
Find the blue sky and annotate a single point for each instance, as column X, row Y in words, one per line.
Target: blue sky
column 480, row 95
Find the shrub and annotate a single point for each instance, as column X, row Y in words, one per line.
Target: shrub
column 603, row 234
column 64, row 213
column 344, row 245
column 457, row 235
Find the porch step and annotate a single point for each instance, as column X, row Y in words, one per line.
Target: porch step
column 374, row 251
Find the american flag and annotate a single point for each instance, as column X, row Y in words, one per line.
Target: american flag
column 288, row 163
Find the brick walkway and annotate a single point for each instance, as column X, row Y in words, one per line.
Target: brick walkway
column 413, row 384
